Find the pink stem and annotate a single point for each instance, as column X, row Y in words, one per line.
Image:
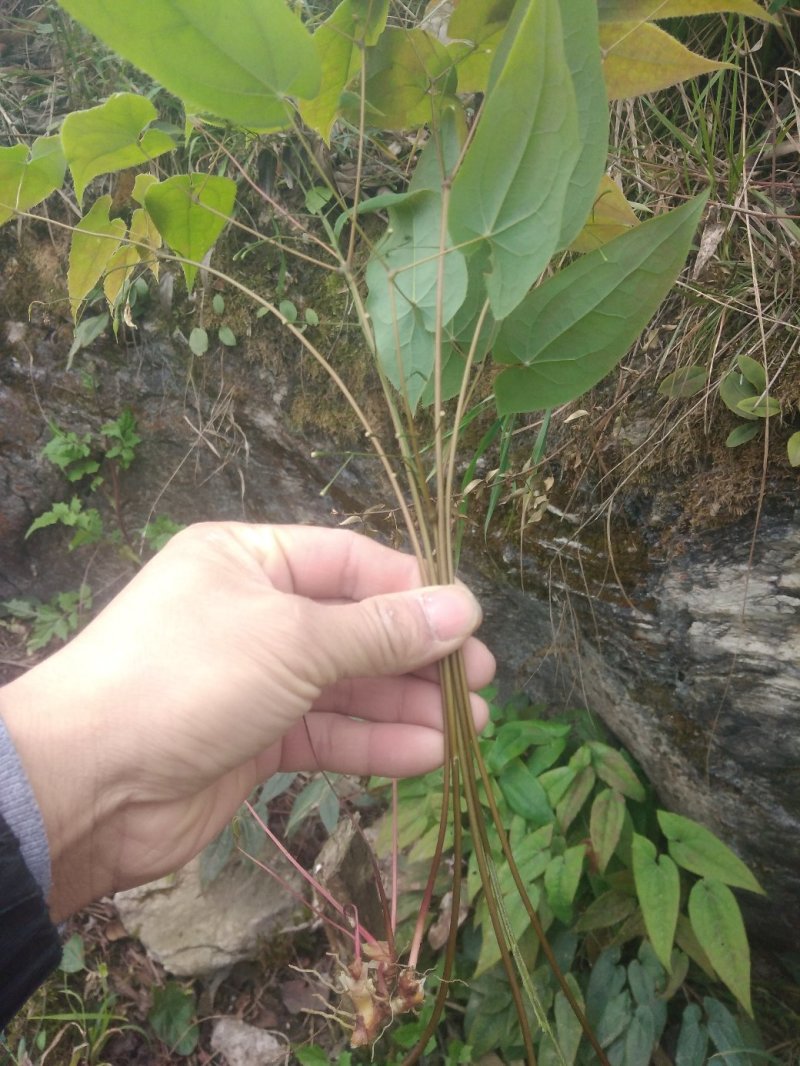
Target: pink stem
column 305, row 874
column 395, row 850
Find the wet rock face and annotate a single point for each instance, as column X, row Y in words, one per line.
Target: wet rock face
column 695, row 666
column 697, row 671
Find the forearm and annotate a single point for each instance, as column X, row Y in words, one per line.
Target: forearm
column 57, row 752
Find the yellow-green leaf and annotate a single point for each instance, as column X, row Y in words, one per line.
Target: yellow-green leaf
column 605, row 825
column 717, row 923
column 762, row 406
column 111, row 137
column 26, row 178
column 793, row 449
column 613, row 768
column 647, row 10
column 94, row 241
column 574, row 798
column 335, row 42
column 611, row 215
column 145, row 238
column 658, row 886
column 408, row 74
column 119, row 269
column 141, row 184
column 641, row 57
column 476, row 28
column 696, row 849
column 561, row 880
column 237, row 60
column 190, row 211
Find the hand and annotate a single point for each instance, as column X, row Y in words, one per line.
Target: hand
column 236, row 652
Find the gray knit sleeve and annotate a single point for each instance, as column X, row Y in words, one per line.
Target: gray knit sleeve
column 20, row 810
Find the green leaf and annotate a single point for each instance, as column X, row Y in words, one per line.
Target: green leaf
column 524, row 794
column 793, row 449
column 402, row 276
column 556, row 782
column 406, row 79
column 190, row 211
column 311, row 1056
column 582, row 51
column 172, row 1018
column 329, row 810
column 742, row 434
column 288, row 310
column 576, row 326
column 561, row 880
column 615, row 1019
column 73, row 955
column 733, row 388
column 761, row 406
column 307, row 801
column 27, row 177
column 218, row 303
column 696, row 849
column 613, row 768
column 514, row 738
column 717, row 923
column 238, row 60
column 568, row 1027
column 725, row 1035
column 574, row 798
column 692, row 1038
column 753, row 371
column 612, row 908
column 658, row 887
column 335, row 43
column 198, row 341
column 215, row 855
column 640, row 1037
column 227, row 336
column 684, row 382
column 94, row 241
column 606, row 981
column 605, row 825
column 111, row 137
column 86, row 331
column 510, row 190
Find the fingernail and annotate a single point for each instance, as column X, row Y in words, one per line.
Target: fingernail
column 451, row 611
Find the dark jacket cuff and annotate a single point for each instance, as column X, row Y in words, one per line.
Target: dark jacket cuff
column 30, row 948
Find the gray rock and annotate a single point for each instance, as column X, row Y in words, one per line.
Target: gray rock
column 193, row 931
column 245, row 1045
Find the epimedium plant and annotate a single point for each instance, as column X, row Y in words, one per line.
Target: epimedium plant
column 608, row 871
column 507, row 243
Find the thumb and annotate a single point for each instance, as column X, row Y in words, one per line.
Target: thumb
column 394, row 633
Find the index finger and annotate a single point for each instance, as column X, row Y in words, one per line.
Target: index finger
column 328, row 564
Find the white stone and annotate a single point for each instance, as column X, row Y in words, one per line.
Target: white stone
column 241, row 1044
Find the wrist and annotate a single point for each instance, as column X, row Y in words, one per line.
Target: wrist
column 59, row 747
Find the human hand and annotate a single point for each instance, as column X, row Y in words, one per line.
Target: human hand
column 238, row 651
